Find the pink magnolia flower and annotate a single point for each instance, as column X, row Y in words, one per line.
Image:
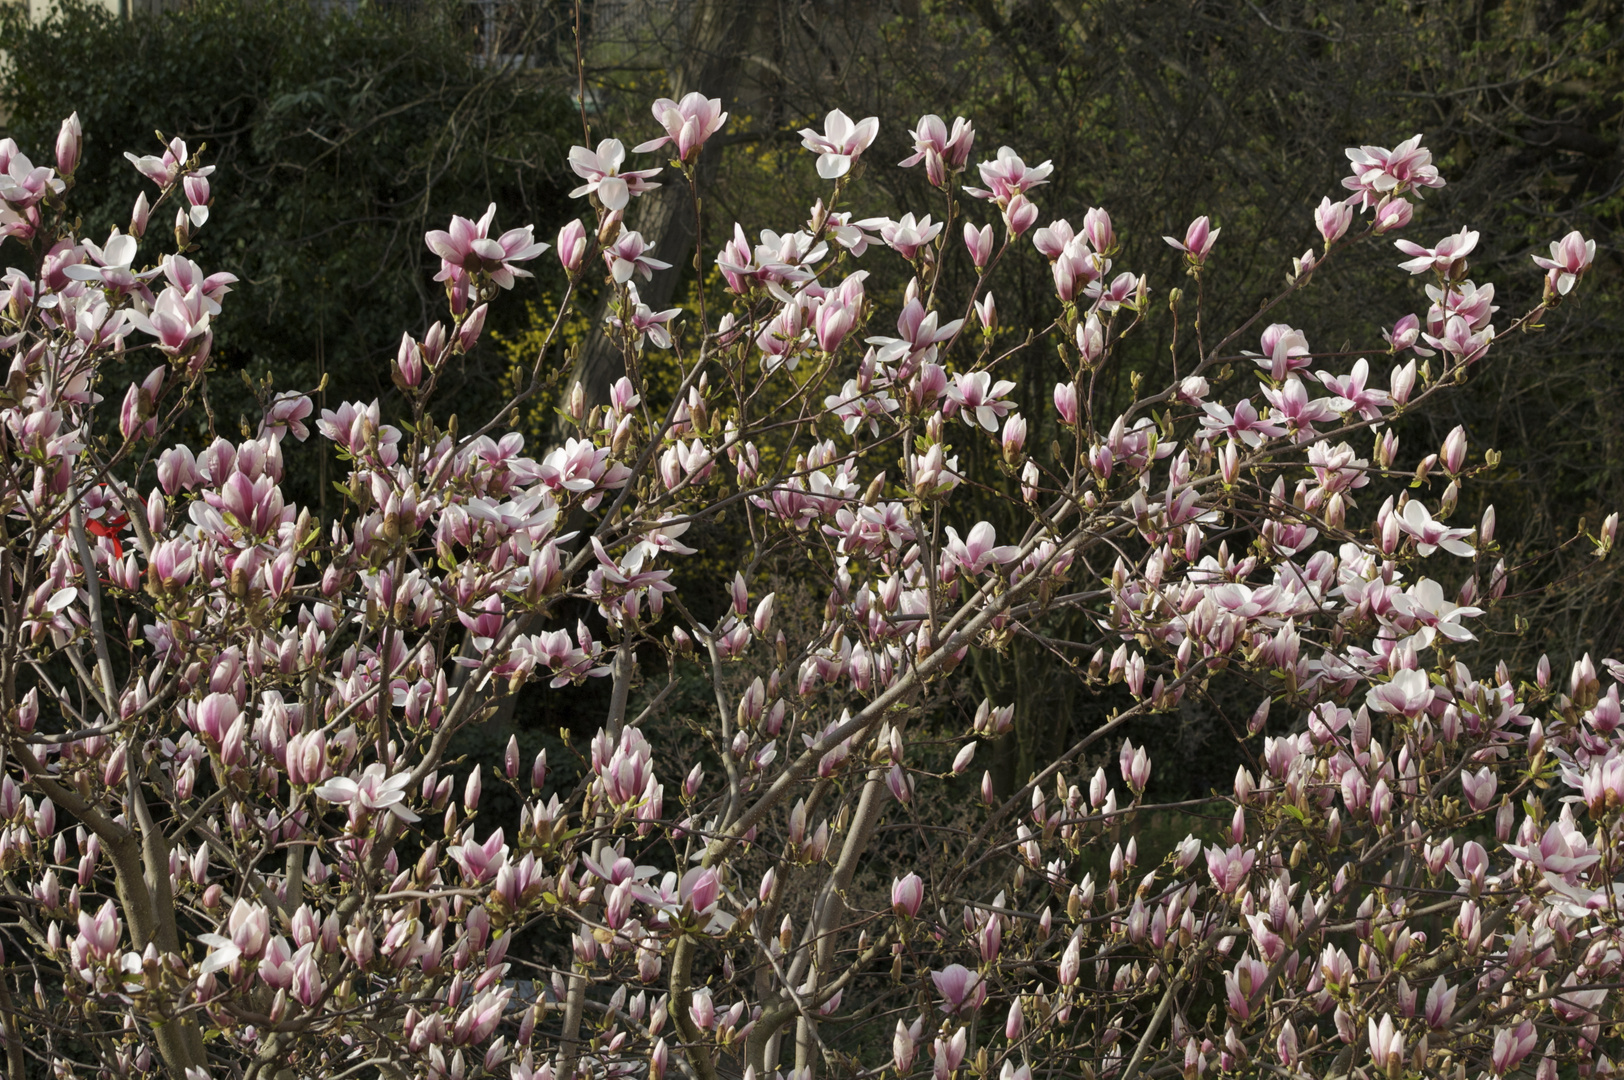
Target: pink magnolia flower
column 628, row 255
column 1352, row 394
column 905, row 1045
column 480, row 862
column 1379, row 172
column 688, row 123
column 1243, row 424
column 111, row 265
column 287, row 413
column 1007, row 176
column 1479, row 787
column 907, row 236
column 70, row 138
column 1511, row 1047
column 907, row 894
column 1440, row 1005
column 1332, row 219
column 1393, row 213
column 1065, row 402
column 307, row 985
column 1284, row 350
column 179, row 320
column 476, row 1022
column 1386, row 1044
column 1460, row 340
column 979, row 243
column 1570, row 257
column 960, row 988
column 375, row 789
column 1404, row 333
column 1229, row 869
column 162, row 170
column 467, row 248
column 1407, row 693
column 1198, row 240
column 840, row 143
column 1450, row 250
column 248, row 931
column 100, row 933
column 1430, row 535
column 941, row 151
column 645, row 323
column 1020, row 214
column 978, row 399
column 572, row 245
column 979, row 551
column 1562, row 849
column 601, row 170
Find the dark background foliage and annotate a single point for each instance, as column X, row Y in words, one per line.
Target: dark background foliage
column 339, row 137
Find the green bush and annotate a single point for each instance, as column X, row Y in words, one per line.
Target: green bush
column 339, row 139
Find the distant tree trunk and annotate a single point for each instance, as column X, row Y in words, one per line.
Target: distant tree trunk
column 708, row 59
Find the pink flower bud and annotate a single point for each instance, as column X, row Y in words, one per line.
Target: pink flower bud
column 70, row 141
column 1020, row 215
column 1453, row 454
column 1198, row 240
column 1393, row 213
column 907, row 894
column 1065, row 402
column 1014, row 438
column 979, row 243
column 987, row 313
column 572, row 244
column 962, row 760
column 138, row 216
column 704, row 890
column 763, row 618
column 1091, row 340
column 471, row 791
column 1332, row 219
column 472, row 327
column 1097, row 228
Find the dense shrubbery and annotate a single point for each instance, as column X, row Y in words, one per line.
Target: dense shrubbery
column 338, row 136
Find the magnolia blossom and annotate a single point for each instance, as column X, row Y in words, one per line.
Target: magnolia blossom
column 1198, row 240
column 1443, row 258
column 374, row 789
column 941, row 151
column 1378, row 172
column 604, row 177
column 1408, row 693
column 467, row 248
column 688, row 124
column 1570, row 257
column 1430, row 535
column 1007, row 176
column 840, row 143
column 979, row 550
column 628, row 255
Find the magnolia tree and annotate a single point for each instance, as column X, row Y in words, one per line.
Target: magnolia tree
column 236, row 842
